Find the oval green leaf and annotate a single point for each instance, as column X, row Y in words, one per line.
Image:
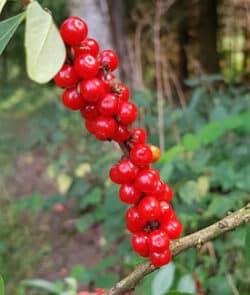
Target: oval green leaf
column 163, row 279
column 2, row 3
column 8, row 28
column 45, row 50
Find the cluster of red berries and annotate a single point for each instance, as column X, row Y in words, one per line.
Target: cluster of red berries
column 91, row 87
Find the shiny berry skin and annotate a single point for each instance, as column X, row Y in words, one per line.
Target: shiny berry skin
column 134, row 221
column 138, row 135
column 73, row 30
column 105, row 127
column 66, row 77
column 86, row 66
column 122, row 91
column 155, row 172
column 158, row 241
column 89, row 111
column 123, row 172
column 159, row 188
column 87, row 46
column 90, row 126
column 173, row 228
column 72, row 99
column 122, row 134
column 109, row 59
column 167, row 195
column 129, row 194
column 127, row 112
column 139, row 243
column 167, row 211
column 145, row 181
column 141, row 155
column 155, row 152
column 149, row 208
column 108, row 105
column 92, row 90
column 107, row 78
column 160, row 259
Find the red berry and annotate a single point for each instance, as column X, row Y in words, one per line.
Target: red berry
column 138, row 135
column 158, row 241
column 86, row 66
column 87, row 46
column 99, row 291
column 108, row 105
column 107, row 79
column 74, row 30
column 139, row 244
column 127, row 112
column 109, row 59
column 129, row 194
column 72, row 99
column 134, row 221
column 141, row 155
column 155, row 173
column 173, row 228
column 90, row 126
column 66, row 77
column 123, row 172
column 89, row 111
column 145, row 181
column 122, row 91
column 167, row 195
column 149, row 208
column 167, row 211
column 121, row 134
column 105, row 127
column 92, row 89
column 160, row 259
column 159, row 188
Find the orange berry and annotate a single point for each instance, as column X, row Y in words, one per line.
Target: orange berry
column 156, row 153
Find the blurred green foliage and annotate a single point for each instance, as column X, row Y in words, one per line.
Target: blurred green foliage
column 206, row 161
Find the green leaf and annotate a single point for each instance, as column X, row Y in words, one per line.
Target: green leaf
column 78, row 272
column 2, row 3
column 1, row 286
column 186, row 283
column 42, row 284
column 191, row 142
column 8, row 28
column 107, row 280
column 247, row 243
column 45, row 50
column 163, row 279
column 92, row 198
column 189, row 192
column 171, row 153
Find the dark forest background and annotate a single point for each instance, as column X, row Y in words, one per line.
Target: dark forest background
column 188, row 66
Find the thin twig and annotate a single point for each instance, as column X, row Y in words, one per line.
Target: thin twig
column 196, row 239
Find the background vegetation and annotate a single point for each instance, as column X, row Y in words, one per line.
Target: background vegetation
column 61, row 217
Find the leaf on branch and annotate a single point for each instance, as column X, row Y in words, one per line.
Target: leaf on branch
column 8, row 28
column 163, row 279
column 45, row 50
column 2, row 3
column 187, row 284
column 1, row 286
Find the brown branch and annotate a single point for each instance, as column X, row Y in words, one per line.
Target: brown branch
column 232, row 221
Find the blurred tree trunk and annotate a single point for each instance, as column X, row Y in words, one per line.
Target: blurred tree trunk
column 183, row 37
column 208, row 35
column 106, row 22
